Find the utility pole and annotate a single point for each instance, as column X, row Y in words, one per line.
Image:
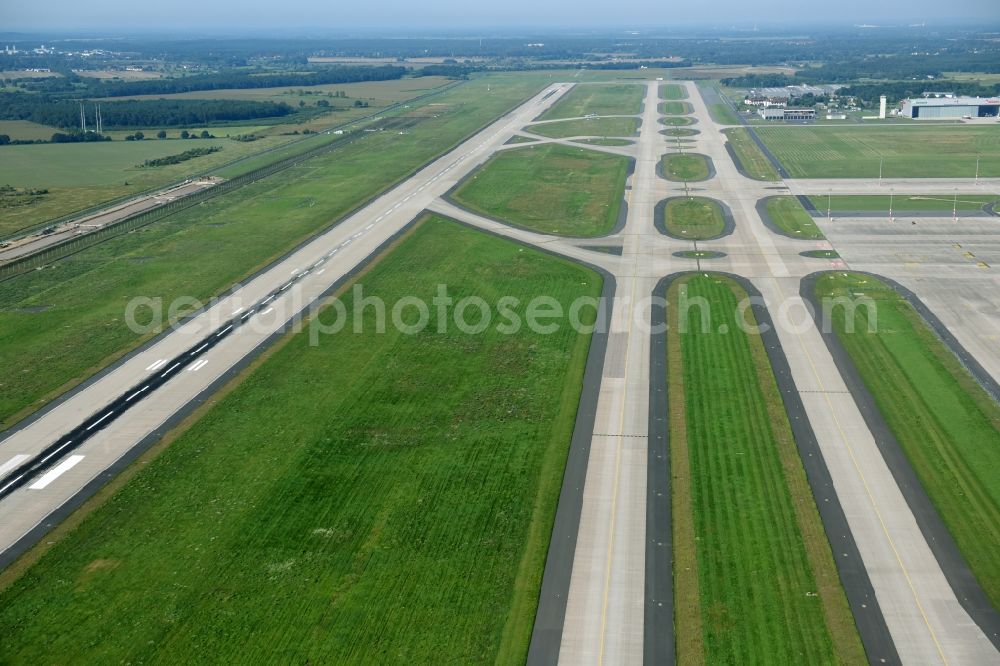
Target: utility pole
column 954, row 207
column 83, row 119
column 977, row 171
column 891, row 193
column 880, row 170
column 829, row 206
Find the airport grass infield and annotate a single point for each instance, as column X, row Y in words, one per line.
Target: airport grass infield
column 788, row 214
column 682, row 167
column 693, row 218
column 749, row 155
column 930, row 203
column 607, row 142
column 677, row 120
column 946, row 424
column 599, row 127
column 754, row 576
column 385, row 496
column 600, row 99
column 675, row 108
column 672, row 91
column 552, row 189
column 61, row 324
column 918, row 151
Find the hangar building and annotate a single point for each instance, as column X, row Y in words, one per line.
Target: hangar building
column 951, row 107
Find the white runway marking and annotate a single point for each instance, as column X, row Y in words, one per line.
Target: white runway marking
column 12, row 463
column 320, row 271
column 157, row 365
column 266, row 311
column 98, row 421
column 198, row 365
column 56, row 472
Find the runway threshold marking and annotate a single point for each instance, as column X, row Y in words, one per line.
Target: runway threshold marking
column 156, row 365
column 12, row 463
column 198, row 365
column 56, row 472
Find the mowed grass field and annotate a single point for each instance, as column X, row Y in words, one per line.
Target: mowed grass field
column 602, row 99
column 947, row 425
column 754, row 577
column 749, row 155
column 682, row 167
column 677, row 120
column 675, row 108
column 60, row 325
column 550, row 188
column 907, row 152
column 80, row 175
column 588, row 127
column 672, row 91
column 788, row 214
column 401, row 513
column 694, row 218
column 942, row 203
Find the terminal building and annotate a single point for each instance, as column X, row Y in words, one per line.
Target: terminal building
column 787, row 114
column 946, row 105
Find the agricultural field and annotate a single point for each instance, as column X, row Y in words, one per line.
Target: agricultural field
column 907, row 152
column 672, row 91
column 550, row 188
column 788, row 215
column 403, row 510
column 940, row 203
column 675, row 108
column 685, row 167
column 749, row 155
column 603, row 100
column 693, row 218
column 754, row 577
column 602, row 127
column 946, row 424
column 60, row 325
column 25, row 130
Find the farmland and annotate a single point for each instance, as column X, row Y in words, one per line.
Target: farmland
column 403, row 510
column 683, row 167
column 764, row 587
column 906, row 152
column 551, row 188
column 749, row 155
column 693, row 218
column 603, row 100
column 948, row 427
column 788, row 215
column 589, row 127
column 59, row 326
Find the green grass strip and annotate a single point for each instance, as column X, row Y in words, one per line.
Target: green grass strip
column 381, row 497
column 749, row 155
column 682, row 167
column 694, row 218
column 788, row 214
column 947, row 425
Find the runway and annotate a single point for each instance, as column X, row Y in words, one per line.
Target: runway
column 606, row 607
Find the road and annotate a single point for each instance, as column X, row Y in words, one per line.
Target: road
column 605, row 612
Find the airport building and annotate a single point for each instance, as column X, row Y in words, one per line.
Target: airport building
column 787, row 114
column 950, row 106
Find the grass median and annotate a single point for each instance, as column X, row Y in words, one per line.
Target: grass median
column 680, row 167
column 378, row 495
column 788, row 215
column 692, row 218
column 754, row 163
column 672, row 91
column 754, row 576
column 551, row 189
column 601, row 127
column 924, row 203
column 60, row 325
column 947, row 425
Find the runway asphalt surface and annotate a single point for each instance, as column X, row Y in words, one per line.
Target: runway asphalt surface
column 607, row 572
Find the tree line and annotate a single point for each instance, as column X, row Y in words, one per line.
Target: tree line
column 46, row 110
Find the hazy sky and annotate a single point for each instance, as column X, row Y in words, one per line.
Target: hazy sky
column 108, row 16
